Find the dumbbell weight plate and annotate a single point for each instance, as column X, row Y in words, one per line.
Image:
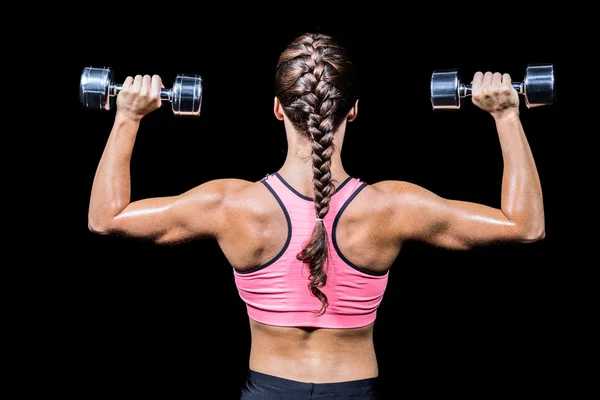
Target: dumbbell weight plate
column 94, row 87
column 539, row 85
column 187, row 95
column 444, row 89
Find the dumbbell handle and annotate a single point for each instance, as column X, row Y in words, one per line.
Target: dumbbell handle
column 467, row 90
column 165, row 94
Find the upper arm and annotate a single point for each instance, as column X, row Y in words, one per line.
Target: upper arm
column 197, row 213
column 419, row 214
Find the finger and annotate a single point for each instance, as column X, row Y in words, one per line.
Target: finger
column 128, row 82
column 146, row 85
column 506, row 80
column 497, row 79
column 477, row 80
column 487, row 82
column 137, row 82
column 156, row 86
column 487, row 79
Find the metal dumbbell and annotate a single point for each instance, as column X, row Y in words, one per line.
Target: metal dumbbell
column 537, row 87
column 97, row 87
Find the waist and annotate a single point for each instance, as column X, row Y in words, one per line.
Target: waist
column 313, row 355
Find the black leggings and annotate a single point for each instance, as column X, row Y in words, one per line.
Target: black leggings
column 267, row 387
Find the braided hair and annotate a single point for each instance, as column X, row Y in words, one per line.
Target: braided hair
column 314, row 84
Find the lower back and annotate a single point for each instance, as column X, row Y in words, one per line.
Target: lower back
column 313, row 355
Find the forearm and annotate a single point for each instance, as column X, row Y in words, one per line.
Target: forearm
column 111, row 189
column 521, row 200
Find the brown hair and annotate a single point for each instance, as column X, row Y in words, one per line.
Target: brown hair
column 314, row 83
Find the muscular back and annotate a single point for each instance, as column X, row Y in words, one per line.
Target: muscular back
column 258, row 228
column 257, row 231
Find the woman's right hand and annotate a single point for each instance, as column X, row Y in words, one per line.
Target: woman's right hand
column 493, row 92
column 139, row 96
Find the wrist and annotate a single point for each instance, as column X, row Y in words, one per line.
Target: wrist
column 127, row 118
column 508, row 115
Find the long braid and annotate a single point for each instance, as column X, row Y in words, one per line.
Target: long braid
column 313, row 89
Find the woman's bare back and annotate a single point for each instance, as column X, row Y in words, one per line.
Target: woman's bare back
column 307, row 354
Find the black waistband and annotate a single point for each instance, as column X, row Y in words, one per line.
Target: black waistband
column 308, row 387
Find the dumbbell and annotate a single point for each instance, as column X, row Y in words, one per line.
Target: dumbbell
column 97, row 87
column 537, row 87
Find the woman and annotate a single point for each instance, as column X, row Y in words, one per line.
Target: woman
column 311, row 247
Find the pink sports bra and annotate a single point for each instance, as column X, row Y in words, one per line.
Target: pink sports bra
column 277, row 293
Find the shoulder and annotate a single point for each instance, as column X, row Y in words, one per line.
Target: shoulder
column 218, row 194
column 393, row 193
column 235, row 194
column 220, row 189
column 223, row 201
column 394, row 208
column 392, row 201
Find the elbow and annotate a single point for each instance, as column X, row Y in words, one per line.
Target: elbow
column 103, row 220
column 99, row 226
column 535, row 236
column 532, row 234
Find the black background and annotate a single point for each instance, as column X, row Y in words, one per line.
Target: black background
column 167, row 321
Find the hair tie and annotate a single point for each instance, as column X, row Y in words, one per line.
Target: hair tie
column 319, row 219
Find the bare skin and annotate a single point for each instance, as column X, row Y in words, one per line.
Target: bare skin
column 250, row 227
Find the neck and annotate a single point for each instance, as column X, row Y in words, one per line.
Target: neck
column 298, row 167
